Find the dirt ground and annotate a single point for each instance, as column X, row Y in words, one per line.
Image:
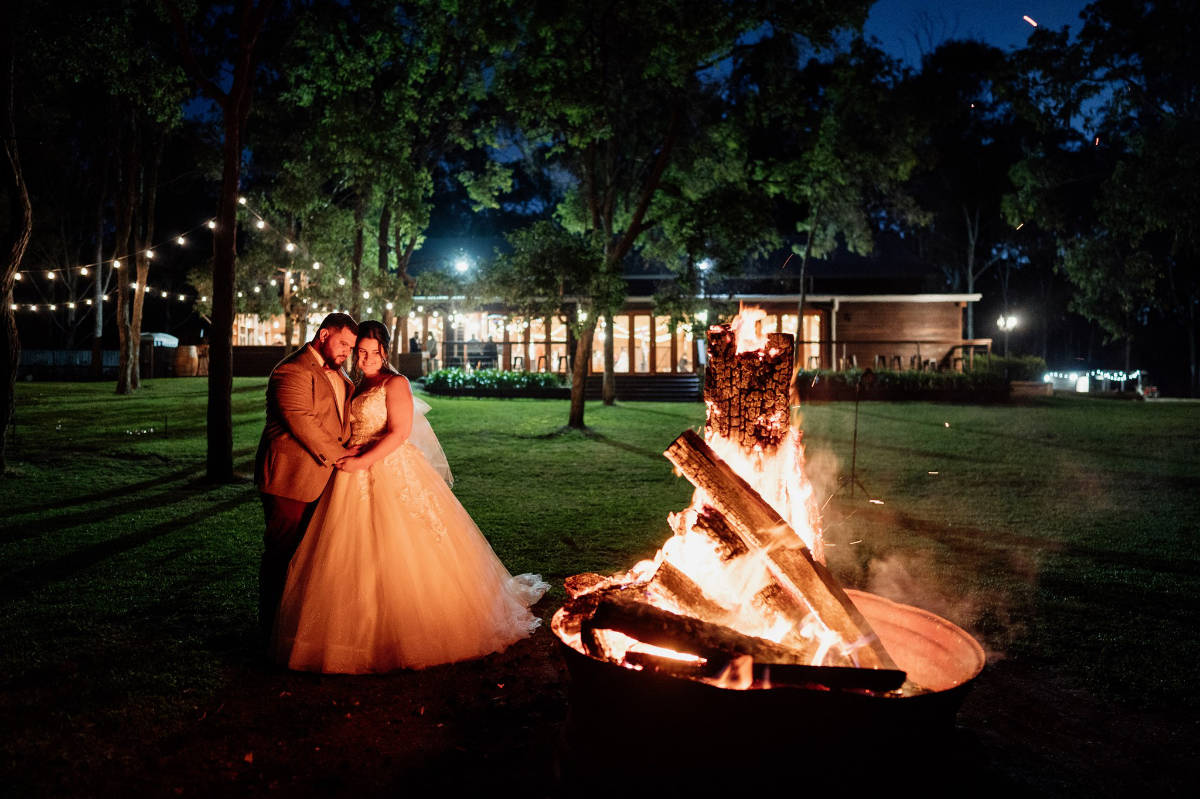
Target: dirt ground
column 501, row 724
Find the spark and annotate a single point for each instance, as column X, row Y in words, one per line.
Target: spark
column 935, row 472
column 876, row 501
column 946, row 423
column 1030, row 20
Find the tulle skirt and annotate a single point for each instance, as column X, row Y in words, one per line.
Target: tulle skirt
column 393, row 573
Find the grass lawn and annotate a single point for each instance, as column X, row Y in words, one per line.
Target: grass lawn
column 1062, row 533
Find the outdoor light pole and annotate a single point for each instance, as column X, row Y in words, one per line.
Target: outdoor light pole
column 1006, row 323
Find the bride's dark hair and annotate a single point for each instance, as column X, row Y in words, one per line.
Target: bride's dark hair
column 376, row 331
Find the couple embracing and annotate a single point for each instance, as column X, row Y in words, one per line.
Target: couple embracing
column 370, row 562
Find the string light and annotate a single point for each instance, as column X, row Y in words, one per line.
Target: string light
column 181, row 240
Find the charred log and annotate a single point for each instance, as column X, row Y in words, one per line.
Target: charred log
column 658, row 627
column 761, row 528
column 747, row 392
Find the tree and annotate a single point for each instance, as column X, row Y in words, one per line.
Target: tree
column 972, row 139
column 382, row 104
column 1126, row 193
column 613, row 92
column 550, row 272
column 234, row 103
column 19, row 224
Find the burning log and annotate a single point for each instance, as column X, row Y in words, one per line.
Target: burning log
column 658, row 627
column 808, row 583
column 710, row 522
column 720, row 646
column 747, row 392
column 675, row 587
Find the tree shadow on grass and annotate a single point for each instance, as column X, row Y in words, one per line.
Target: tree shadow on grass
column 593, row 435
column 26, row 581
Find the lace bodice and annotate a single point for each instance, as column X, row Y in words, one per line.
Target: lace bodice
column 368, row 415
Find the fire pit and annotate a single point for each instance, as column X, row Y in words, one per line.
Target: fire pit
column 736, row 643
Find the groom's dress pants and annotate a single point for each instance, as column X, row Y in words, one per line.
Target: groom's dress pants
column 286, row 521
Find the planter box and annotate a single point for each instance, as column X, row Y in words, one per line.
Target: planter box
column 1025, row 389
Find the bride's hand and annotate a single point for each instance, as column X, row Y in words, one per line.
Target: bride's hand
column 352, row 463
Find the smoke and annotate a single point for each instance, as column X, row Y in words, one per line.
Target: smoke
column 994, row 616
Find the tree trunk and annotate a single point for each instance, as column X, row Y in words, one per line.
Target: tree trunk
column 149, row 199
column 360, row 203
column 235, row 109
column 16, row 235
column 579, row 370
column 1193, row 376
column 609, row 388
column 97, row 367
column 798, row 352
column 220, row 347
column 402, row 261
column 122, row 253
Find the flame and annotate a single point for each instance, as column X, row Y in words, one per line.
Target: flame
column 738, row 586
column 735, row 584
column 748, row 327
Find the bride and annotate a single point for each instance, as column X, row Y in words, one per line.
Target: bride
column 392, row 572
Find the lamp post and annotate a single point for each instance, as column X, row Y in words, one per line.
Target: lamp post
column 1006, row 323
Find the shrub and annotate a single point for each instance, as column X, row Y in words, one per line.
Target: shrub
column 1017, row 367
column 493, row 383
column 975, row 386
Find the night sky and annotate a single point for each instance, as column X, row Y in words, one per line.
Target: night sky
column 904, row 27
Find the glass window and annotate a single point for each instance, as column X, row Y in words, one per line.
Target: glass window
column 683, row 349
column 662, row 344
column 810, row 356
column 621, row 343
column 597, row 362
column 641, row 343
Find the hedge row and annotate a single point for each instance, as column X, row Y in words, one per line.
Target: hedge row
column 495, row 383
column 976, row 386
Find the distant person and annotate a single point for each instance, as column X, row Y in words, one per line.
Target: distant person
column 490, row 352
column 431, row 350
column 473, row 348
column 414, row 343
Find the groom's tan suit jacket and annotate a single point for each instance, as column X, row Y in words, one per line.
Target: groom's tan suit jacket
column 307, row 427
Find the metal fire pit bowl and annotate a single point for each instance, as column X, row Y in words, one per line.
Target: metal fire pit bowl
column 644, row 720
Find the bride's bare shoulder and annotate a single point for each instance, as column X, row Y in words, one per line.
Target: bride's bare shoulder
column 397, row 382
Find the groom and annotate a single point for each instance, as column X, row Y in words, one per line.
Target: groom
column 306, row 430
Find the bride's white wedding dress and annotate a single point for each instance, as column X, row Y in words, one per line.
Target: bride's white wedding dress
column 392, row 572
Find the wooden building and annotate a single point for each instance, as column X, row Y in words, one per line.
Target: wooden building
column 893, row 331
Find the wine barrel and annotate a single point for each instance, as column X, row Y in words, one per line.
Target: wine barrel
column 187, row 361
